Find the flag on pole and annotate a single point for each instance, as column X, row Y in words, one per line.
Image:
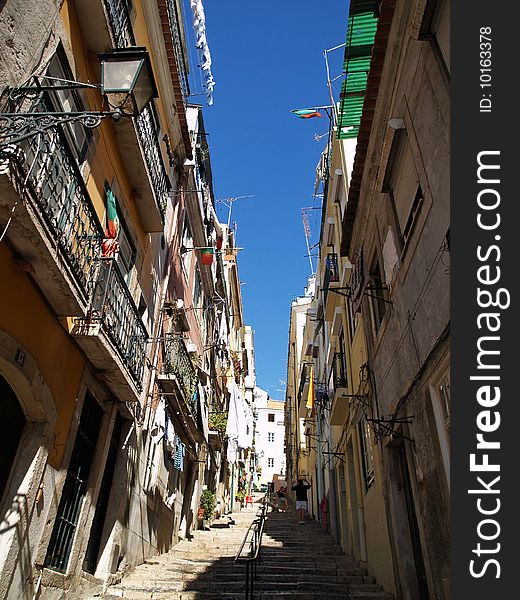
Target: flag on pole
column 110, row 245
column 306, row 113
column 206, row 256
column 310, row 395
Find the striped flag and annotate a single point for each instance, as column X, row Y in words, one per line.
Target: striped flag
column 110, row 245
column 306, row 113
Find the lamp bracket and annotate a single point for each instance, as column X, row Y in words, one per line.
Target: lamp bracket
column 18, row 126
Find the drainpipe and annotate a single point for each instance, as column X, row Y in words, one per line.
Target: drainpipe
column 319, row 457
column 232, row 501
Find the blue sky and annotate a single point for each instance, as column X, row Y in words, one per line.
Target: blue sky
column 267, row 58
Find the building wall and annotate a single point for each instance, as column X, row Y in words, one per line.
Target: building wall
column 265, row 448
column 408, row 348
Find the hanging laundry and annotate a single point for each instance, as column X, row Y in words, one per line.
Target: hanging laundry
column 180, row 452
column 170, row 439
column 110, row 245
column 321, row 168
column 199, row 25
column 306, row 113
column 158, row 429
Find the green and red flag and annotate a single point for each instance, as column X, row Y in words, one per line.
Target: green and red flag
column 206, row 256
column 113, row 225
column 110, row 245
column 306, row 113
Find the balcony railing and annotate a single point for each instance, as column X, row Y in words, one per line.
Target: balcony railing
column 175, row 30
column 114, row 308
column 176, row 361
column 49, row 177
column 331, row 269
column 119, row 18
column 48, row 172
column 339, row 371
column 154, row 162
column 331, row 272
column 305, row 378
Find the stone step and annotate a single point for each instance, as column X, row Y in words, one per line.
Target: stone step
column 297, row 563
column 231, row 595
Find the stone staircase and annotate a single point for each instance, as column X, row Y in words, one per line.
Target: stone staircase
column 298, row 561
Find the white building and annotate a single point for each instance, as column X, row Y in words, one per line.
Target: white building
column 269, row 436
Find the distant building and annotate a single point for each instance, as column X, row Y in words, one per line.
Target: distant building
column 269, row 437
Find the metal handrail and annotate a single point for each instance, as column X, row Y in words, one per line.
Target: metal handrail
column 254, row 535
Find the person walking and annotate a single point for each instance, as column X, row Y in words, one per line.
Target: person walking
column 282, row 500
column 301, row 488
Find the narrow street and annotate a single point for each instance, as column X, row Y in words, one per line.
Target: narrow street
column 172, row 340
column 297, row 562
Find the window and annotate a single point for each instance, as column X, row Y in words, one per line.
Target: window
column 412, row 215
column 187, row 246
column 441, row 403
column 270, row 437
column 270, row 417
column 436, row 28
column 270, row 462
column 67, row 101
column 402, row 184
column 197, row 289
column 367, row 456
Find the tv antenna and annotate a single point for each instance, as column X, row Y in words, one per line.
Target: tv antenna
column 307, row 231
column 228, row 203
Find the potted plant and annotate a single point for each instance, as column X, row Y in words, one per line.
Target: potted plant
column 217, row 421
column 207, row 504
column 240, row 497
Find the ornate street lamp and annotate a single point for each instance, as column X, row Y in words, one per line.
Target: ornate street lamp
column 127, row 85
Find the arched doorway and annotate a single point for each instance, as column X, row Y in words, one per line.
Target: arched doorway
column 13, row 419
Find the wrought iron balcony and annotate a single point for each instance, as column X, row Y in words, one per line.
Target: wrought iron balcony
column 339, row 371
column 115, row 310
column 340, row 405
column 305, row 378
column 176, row 362
column 175, row 30
column 54, row 226
column 331, row 271
column 158, row 185
column 119, row 17
column 154, row 162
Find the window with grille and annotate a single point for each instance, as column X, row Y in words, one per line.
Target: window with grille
column 270, row 437
column 367, row 456
column 75, row 487
column 270, row 462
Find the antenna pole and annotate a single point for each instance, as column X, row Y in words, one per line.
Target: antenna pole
column 307, row 231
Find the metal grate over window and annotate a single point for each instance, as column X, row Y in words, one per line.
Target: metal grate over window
column 69, row 509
